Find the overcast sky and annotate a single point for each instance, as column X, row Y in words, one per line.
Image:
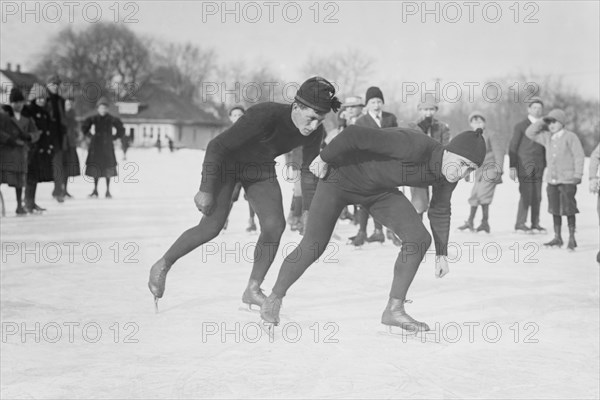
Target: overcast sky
column 565, row 39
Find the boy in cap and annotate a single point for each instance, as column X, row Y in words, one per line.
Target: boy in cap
column 439, row 131
column 527, row 164
column 246, row 153
column 565, row 158
column 486, row 177
column 366, row 166
column 101, row 161
column 375, row 118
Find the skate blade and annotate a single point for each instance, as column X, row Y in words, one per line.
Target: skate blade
column 155, row 305
column 251, row 308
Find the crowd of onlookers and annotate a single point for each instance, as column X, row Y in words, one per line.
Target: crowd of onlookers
column 39, row 135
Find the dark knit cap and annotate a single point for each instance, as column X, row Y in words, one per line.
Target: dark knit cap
column 15, row 95
column 318, row 94
column 374, row 92
column 469, row 144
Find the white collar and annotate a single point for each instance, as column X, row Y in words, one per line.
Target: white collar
column 533, row 119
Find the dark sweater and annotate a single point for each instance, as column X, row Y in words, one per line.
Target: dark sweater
column 369, row 161
column 265, row 132
column 527, row 156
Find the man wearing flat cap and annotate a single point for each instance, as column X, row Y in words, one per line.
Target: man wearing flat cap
column 365, row 166
column 246, row 153
column 527, row 164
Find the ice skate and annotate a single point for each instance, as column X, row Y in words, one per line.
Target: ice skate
column 394, row 315
column 253, row 296
column 537, row 229
column 377, row 236
column 38, row 208
column 522, row 228
column 157, row 280
column 557, row 241
column 93, row 194
column 251, row 226
column 467, row 225
column 484, row 226
column 359, row 239
column 269, row 311
column 108, row 195
column 21, row 211
column 572, row 243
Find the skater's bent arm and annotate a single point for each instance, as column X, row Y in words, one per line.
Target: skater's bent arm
column 439, row 216
column 538, row 132
column 87, row 125
column 356, row 138
column 119, row 127
column 250, row 127
column 309, row 181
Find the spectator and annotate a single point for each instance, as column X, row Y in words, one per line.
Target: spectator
column 71, row 165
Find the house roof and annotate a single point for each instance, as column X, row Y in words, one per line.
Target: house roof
column 20, row 79
column 157, row 105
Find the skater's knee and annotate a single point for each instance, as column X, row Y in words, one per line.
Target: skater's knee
column 273, row 227
column 418, row 242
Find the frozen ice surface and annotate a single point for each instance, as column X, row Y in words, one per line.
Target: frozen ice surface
column 513, row 321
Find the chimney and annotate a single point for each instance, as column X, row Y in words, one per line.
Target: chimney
column 8, row 66
column 18, row 67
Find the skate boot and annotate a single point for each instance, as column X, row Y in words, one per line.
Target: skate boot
column 21, row 210
column 359, row 239
column 38, row 208
column 93, row 194
column 253, row 295
column 557, row 241
column 572, row 243
column 377, row 236
column 251, row 226
column 467, row 225
column 157, row 280
column 108, row 195
column 536, row 228
column 484, row 226
column 269, row 311
column 522, row 228
column 394, row 315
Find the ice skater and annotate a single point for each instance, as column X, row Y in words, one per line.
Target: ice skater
column 365, row 166
column 246, row 153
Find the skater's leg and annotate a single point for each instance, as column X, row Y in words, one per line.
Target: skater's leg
column 524, row 202
column 108, row 187
column 208, row 228
column 324, row 211
column 401, row 217
column 265, row 198
column 536, row 200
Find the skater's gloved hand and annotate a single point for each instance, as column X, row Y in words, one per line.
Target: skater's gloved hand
column 513, row 174
column 594, row 185
column 577, row 181
column 441, row 266
column 205, row 202
column 318, row 167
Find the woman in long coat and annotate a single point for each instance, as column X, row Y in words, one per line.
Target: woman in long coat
column 16, row 131
column 101, row 161
column 70, row 159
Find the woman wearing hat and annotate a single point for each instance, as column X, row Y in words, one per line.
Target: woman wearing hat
column 41, row 153
column 246, row 153
column 367, row 165
column 101, row 160
column 70, row 158
column 486, row 177
column 564, row 158
column 17, row 131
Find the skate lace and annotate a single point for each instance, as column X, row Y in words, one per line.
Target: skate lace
column 273, row 305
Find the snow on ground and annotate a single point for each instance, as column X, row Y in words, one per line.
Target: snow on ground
column 514, row 321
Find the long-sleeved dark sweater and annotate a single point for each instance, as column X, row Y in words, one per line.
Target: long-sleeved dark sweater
column 263, row 133
column 366, row 160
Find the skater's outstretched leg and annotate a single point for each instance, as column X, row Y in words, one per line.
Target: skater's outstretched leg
column 208, row 228
column 398, row 214
column 328, row 203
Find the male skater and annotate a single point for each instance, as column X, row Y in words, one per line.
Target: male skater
column 246, row 153
column 365, row 167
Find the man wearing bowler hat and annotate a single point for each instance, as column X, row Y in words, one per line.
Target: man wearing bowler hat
column 246, row 153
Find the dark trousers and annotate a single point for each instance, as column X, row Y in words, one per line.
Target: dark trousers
column 363, row 220
column 58, row 173
column 265, row 199
column 531, row 197
column 392, row 208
